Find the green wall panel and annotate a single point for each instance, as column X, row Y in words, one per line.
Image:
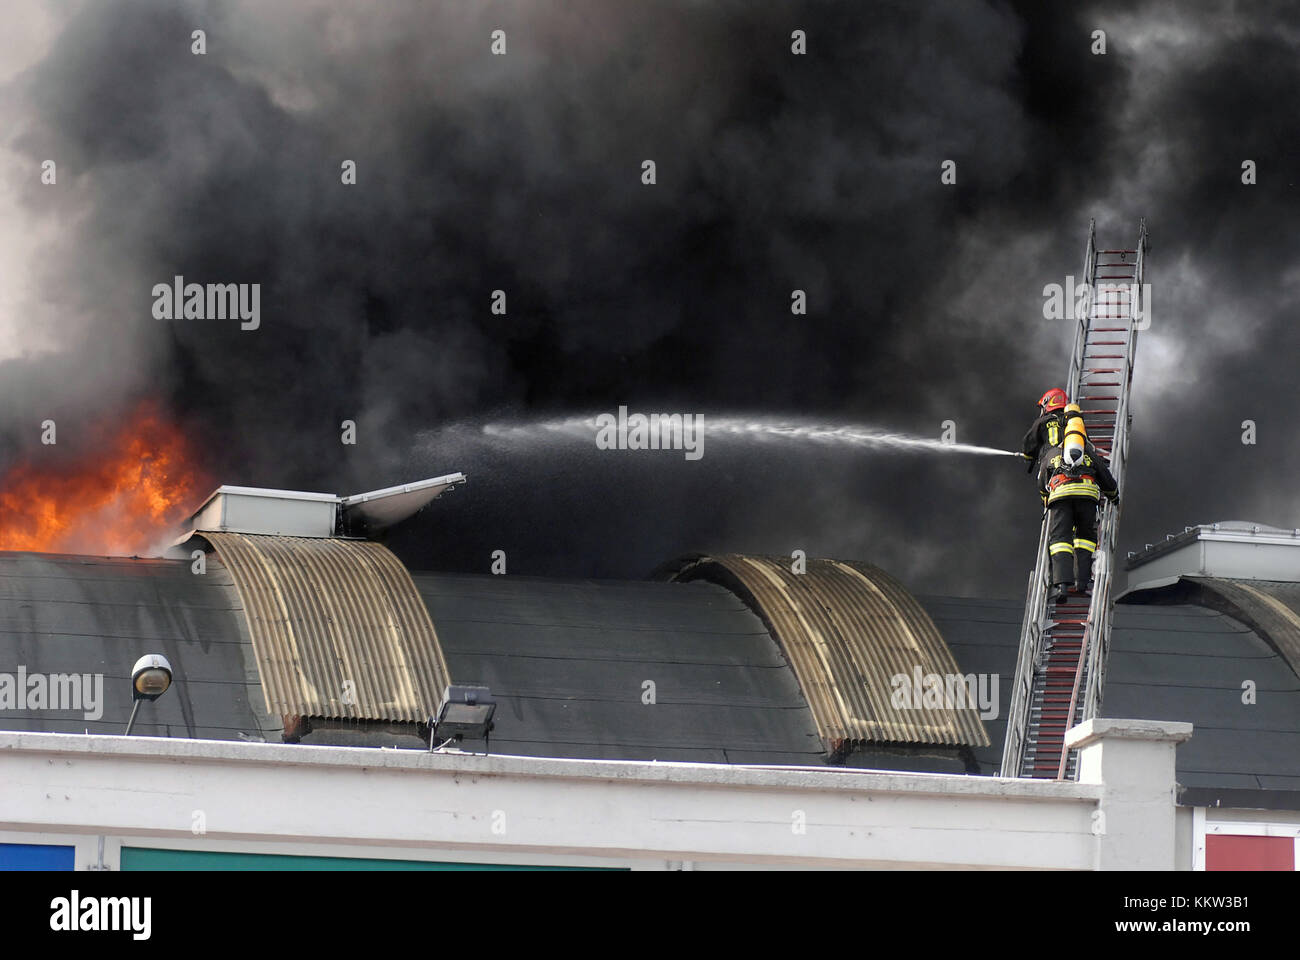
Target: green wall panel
column 147, row 858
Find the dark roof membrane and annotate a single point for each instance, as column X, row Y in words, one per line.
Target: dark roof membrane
column 98, row 615
column 570, row 660
column 1269, row 607
column 622, row 670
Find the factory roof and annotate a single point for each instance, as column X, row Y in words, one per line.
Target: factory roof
column 651, row 670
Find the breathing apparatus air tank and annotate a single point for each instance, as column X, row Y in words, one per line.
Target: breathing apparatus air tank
column 1076, row 435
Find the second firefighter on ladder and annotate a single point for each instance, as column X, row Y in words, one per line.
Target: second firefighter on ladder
column 1072, row 479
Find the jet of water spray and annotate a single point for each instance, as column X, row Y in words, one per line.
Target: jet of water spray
column 851, row 434
column 759, row 430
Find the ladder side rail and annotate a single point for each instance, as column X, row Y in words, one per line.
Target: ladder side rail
column 1074, row 701
column 1099, row 612
column 1099, row 615
column 1031, row 642
column 1082, row 323
column 1102, row 604
column 1083, row 673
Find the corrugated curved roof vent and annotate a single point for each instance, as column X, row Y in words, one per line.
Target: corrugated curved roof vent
column 338, row 627
column 850, row 632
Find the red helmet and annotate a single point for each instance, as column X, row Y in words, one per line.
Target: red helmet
column 1053, row 399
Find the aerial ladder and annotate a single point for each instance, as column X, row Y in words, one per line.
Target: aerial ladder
column 1061, row 667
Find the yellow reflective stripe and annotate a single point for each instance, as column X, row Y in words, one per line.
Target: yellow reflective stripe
column 1061, row 548
column 1085, row 545
column 1075, row 490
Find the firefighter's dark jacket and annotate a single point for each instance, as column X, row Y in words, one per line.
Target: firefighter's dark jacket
column 1091, row 479
column 1047, row 431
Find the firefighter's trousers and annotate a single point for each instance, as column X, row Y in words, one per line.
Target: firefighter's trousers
column 1072, row 538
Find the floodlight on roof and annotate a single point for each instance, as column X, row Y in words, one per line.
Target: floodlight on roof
column 465, row 713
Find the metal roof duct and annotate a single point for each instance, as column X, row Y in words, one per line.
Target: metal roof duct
column 380, row 509
column 849, row 630
column 338, row 628
column 295, row 513
column 288, row 513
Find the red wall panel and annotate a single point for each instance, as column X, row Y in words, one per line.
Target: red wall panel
column 1226, row 852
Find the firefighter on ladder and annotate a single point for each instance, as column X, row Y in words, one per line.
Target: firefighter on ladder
column 1048, row 430
column 1072, row 480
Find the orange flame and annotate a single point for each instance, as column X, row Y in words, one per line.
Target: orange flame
column 124, row 498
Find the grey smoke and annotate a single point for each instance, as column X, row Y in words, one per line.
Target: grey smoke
column 775, row 173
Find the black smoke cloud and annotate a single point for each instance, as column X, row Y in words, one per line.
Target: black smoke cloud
column 775, row 172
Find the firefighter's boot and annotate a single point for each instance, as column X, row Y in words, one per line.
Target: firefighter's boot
column 1083, row 561
column 1062, row 569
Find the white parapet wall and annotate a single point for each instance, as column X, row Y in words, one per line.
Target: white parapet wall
column 408, row 804
column 1133, row 762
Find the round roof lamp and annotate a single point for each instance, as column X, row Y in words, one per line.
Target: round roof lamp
column 150, row 678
